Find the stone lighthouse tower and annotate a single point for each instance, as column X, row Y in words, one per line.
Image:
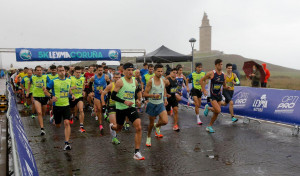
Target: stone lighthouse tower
column 205, row 35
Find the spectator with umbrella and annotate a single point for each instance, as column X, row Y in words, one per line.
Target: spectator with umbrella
column 255, row 72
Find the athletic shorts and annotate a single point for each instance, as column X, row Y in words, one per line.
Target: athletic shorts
column 98, row 96
column 172, row 102
column 42, row 100
column 61, row 112
column 263, row 84
column 218, row 98
column 111, row 110
column 87, row 91
column 131, row 113
column 196, row 92
column 228, row 95
column 29, row 96
column 74, row 103
column 155, row 109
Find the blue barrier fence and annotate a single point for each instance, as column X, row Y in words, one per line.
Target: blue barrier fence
column 24, row 162
column 275, row 105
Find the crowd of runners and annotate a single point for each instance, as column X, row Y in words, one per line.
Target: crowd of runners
column 119, row 96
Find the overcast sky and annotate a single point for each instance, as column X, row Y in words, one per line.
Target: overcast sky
column 267, row 30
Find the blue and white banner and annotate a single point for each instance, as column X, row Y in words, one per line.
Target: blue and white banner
column 275, row 105
column 51, row 54
column 26, row 158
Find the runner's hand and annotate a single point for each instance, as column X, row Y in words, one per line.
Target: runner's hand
column 128, row 103
column 187, row 89
column 168, row 95
column 27, row 94
column 166, row 102
column 138, row 103
column 73, row 98
column 204, row 92
column 54, row 99
column 74, row 87
column 156, row 96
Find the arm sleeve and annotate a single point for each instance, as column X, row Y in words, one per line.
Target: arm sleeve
column 114, row 97
column 190, row 77
column 50, row 84
column 48, row 79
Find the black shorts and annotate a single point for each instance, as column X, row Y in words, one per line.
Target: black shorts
column 131, row 113
column 218, row 98
column 263, row 84
column 60, row 112
column 196, row 92
column 172, row 102
column 111, row 110
column 42, row 100
column 228, row 95
column 74, row 103
column 87, row 91
column 29, row 96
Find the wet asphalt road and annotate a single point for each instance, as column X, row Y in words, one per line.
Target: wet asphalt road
column 235, row 149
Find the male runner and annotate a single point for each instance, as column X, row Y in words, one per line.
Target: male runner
column 111, row 105
column 52, row 76
column 77, row 87
column 231, row 80
column 217, row 80
column 88, row 88
column 123, row 94
column 156, row 92
column 182, row 81
column 100, row 82
column 172, row 89
column 29, row 98
column 61, row 88
column 144, row 70
column 39, row 83
column 148, row 75
column 196, row 89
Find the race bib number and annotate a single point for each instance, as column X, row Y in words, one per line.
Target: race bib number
column 229, row 84
column 100, row 88
column 64, row 94
column 159, row 98
column 217, row 87
column 174, row 89
column 39, row 84
column 128, row 95
column 78, row 91
column 197, row 82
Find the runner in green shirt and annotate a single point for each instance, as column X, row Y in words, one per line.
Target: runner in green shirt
column 29, row 99
column 77, row 87
column 52, row 76
column 124, row 95
column 39, row 83
column 61, row 90
column 196, row 89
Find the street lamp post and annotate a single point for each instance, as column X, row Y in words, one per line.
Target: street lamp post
column 192, row 41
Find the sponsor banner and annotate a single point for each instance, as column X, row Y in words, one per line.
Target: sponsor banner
column 26, row 158
column 268, row 104
column 45, row 54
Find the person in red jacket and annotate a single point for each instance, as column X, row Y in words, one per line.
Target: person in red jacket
column 264, row 84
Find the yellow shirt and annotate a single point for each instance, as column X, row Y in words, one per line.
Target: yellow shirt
column 22, row 75
column 230, row 81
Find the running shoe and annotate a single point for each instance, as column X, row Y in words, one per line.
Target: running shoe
column 126, row 126
column 71, row 121
column 138, row 156
column 100, row 127
column 82, row 130
column 51, row 114
column 43, row 132
column 115, row 141
column 106, row 118
column 112, row 132
column 206, row 110
column 210, row 129
column 175, row 128
column 199, row 121
column 67, row 147
column 233, row 119
column 148, row 142
column 157, row 131
column 32, row 116
column 96, row 117
column 51, row 119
